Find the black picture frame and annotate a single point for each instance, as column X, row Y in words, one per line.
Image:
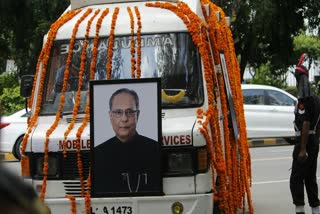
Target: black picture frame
column 124, row 169
column 229, row 95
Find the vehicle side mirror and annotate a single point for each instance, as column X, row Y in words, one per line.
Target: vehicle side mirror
column 26, row 86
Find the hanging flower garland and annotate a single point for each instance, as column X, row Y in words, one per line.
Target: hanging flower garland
column 77, row 102
column 80, row 83
column 234, row 75
column 73, row 204
column 228, row 190
column 87, row 109
column 132, row 44
column 195, row 26
column 44, row 58
column 236, row 90
column 111, row 41
column 139, row 42
column 212, row 22
column 87, row 199
column 30, row 102
column 61, row 104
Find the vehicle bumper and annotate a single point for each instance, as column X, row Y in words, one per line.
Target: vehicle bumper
column 192, row 204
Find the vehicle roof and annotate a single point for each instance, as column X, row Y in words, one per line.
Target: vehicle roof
column 153, row 19
column 257, row 86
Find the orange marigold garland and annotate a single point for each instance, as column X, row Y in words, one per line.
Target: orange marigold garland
column 80, row 83
column 139, row 42
column 77, row 102
column 44, row 58
column 111, row 41
column 87, row 199
column 87, row 109
column 132, row 44
column 73, row 203
column 227, row 190
column 61, row 104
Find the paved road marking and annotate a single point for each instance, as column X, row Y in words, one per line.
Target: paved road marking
column 267, row 159
column 272, row 182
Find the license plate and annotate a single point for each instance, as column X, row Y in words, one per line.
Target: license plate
column 112, row 209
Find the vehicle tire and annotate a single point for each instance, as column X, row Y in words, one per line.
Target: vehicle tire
column 291, row 140
column 16, row 148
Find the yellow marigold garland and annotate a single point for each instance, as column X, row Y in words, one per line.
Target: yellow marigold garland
column 111, row 41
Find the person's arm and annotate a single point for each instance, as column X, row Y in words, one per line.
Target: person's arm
column 304, row 140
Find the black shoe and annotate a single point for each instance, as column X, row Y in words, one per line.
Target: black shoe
column 300, row 213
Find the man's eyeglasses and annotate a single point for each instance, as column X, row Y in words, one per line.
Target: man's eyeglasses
column 119, row 113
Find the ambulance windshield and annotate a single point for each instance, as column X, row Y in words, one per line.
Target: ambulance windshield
column 171, row 56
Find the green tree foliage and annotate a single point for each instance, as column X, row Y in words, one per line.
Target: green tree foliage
column 10, row 99
column 308, row 44
column 264, row 30
column 23, row 24
column 263, row 75
column 8, row 80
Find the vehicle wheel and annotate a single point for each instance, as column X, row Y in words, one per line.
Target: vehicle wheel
column 16, row 148
column 291, row 140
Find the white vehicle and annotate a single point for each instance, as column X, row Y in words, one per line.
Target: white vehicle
column 171, row 40
column 13, row 128
column 269, row 112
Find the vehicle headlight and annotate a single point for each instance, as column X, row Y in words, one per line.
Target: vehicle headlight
column 185, row 161
column 180, row 163
column 53, row 166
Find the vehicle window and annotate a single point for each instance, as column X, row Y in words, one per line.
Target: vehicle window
column 171, row 56
column 278, row 98
column 253, row 96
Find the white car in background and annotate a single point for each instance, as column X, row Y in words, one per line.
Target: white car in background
column 12, row 130
column 269, row 112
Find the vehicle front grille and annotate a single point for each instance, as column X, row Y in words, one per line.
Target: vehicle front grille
column 70, row 167
column 74, row 188
column 78, row 119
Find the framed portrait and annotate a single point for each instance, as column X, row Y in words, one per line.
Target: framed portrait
column 125, row 132
column 229, row 95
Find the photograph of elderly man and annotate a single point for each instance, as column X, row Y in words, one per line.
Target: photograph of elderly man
column 127, row 162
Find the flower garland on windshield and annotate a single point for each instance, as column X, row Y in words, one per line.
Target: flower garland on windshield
column 77, row 103
column 87, row 109
column 80, row 83
column 61, row 104
column 135, row 64
column 111, row 42
column 132, row 44
column 139, row 42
